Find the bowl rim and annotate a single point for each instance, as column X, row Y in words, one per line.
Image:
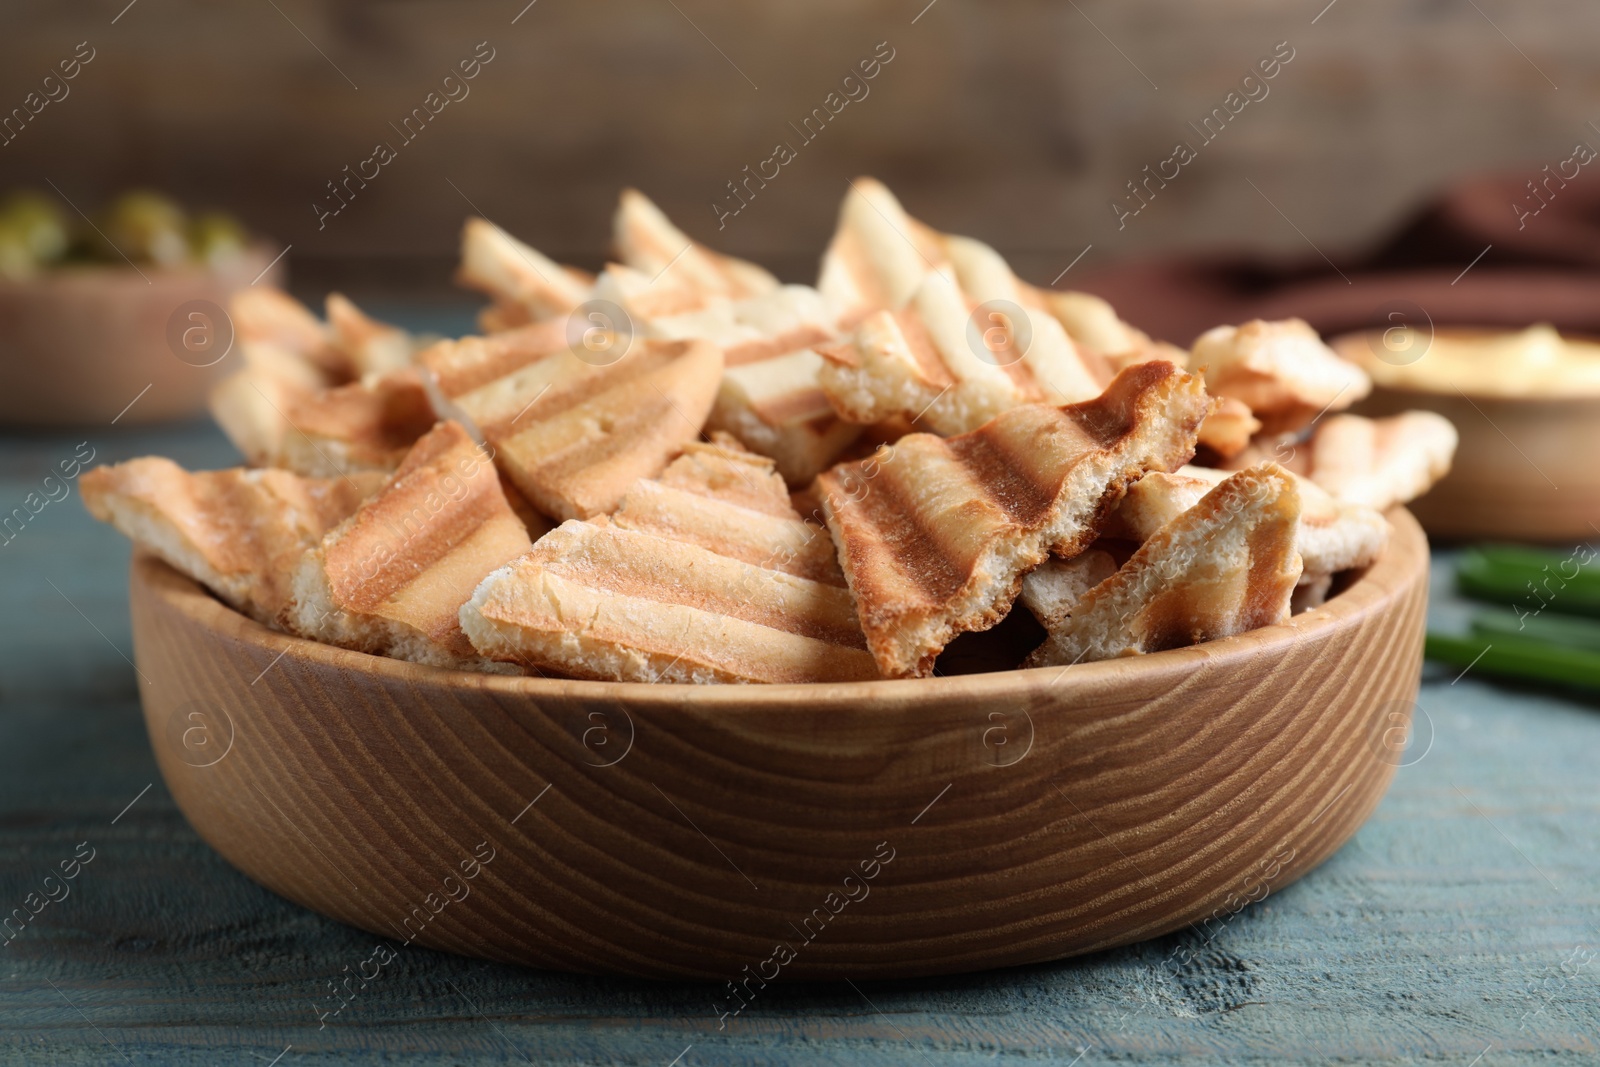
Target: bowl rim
column 63, row 276
column 1376, row 589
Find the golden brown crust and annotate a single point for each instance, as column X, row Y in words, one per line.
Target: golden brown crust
column 1281, row 370
column 239, row 532
column 597, row 600
column 934, row 535
column 264, row 315
column 397, row 572
column 463, row 365
column 366, row 425
column 647, row 241
column 1227, row 565
column 574, row 436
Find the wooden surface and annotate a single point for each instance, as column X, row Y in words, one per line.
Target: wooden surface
column 1438, row 933
column 721, row 833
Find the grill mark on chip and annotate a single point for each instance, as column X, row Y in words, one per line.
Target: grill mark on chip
column 417, row 519
column 934, row 534
column 466, row 364
column 624, row 563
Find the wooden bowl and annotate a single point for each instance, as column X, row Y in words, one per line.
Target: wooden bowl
column 863, row 830
column 79, row 344
column 1524, row 469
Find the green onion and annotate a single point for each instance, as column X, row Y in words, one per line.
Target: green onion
column 1517, row 657
column 1529, row 578
column 1535, row 559
column 1564, row 631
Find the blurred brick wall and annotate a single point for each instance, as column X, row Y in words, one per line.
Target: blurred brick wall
column 1017, row 121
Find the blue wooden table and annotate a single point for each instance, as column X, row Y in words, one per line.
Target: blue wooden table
column 1461, row 925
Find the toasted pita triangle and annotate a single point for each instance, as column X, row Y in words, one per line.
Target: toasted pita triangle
column 879, row 255
column 264, row 315
column 392, row 578
column 573, row 435
column 517, row 275
column 1222, row 567
column 365, row 425
column 460, row 366
column 596, row 600
column 1333, row 536
column 729, row 500
column 1381, row 462
column 372, row 347
column 647, row 241
column 953, row 364
column 237, row 532
column 1282, row 370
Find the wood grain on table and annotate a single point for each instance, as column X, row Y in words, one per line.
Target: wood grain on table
column 1461, row 925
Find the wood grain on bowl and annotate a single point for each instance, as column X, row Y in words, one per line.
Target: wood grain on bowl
column 858, row 830
column 79, row 344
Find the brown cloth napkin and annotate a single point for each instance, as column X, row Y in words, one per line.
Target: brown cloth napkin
column 1489, row 252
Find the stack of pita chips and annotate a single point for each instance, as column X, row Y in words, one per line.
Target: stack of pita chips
column 671, row 287
column 946, row 334
column 637, row 475
column 1367, row 466
column 320, row 399
column 935, row 534
column 1333, row 536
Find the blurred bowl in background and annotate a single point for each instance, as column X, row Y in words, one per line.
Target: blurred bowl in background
column 80, row 344
column 1524, row 469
